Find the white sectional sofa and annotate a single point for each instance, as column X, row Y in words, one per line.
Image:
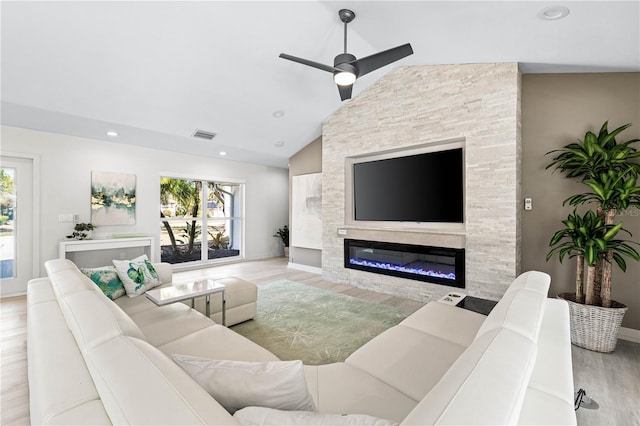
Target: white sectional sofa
column 93, row 361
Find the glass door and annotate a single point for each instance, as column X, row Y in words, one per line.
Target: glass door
column 16, row 224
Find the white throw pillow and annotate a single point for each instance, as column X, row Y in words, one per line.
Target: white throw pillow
column 239, row 384
column 138, row 275
column 268, row 416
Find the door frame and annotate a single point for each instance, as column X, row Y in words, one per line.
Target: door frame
column 35, row 171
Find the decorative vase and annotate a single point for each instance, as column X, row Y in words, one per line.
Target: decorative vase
column 82, row 235
column 286, row 252
column 594, row 327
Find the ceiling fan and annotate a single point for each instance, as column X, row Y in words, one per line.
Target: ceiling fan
column 346, row 68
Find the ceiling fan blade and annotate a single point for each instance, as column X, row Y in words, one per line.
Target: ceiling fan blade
column 317, row 65
column 378, row 60
column 345, row 91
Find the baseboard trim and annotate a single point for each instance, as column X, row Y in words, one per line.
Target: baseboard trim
column 306, row 268
column 629, row 334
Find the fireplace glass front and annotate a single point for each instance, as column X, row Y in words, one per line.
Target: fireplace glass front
column 438, row 265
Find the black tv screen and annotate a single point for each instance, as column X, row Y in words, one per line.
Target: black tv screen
column 417, row 188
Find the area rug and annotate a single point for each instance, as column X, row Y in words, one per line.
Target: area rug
column 298, row 321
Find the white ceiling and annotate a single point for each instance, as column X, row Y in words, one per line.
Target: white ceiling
column 156, row 71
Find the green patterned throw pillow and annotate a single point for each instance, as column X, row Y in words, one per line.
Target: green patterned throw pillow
column 138, row 275
column 107, row 279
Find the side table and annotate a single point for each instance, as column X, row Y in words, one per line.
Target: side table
column 471, row 303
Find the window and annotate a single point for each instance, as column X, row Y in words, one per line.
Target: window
column 200, row 220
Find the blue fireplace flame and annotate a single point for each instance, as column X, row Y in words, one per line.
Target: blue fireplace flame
column 403, row 268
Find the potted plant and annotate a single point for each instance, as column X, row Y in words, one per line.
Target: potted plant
column 606, row 168
column 283, row 234
column 82, row 231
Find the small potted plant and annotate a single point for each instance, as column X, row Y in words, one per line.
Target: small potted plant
column 82, row 231
column 283, row 234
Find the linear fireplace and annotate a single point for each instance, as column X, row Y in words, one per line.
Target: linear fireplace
column 438, row 265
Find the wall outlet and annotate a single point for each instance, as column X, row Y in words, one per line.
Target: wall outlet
column 528, row 204
column 65, row 217
column 342, row 232
column 122, row 255
column 76, row 217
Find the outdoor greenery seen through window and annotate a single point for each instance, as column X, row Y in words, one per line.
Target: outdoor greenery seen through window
column 7, row 229
column 200, row 220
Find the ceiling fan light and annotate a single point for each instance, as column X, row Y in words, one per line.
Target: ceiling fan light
column 344, row 78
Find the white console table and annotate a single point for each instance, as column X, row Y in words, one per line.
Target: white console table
column 73, row 246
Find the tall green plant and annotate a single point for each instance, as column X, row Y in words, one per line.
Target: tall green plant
column 609, row 171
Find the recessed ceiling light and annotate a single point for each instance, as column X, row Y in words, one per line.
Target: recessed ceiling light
column 223, row 153
column 112, row 133
column 279, row 144
column 277, row 114
column 553, row 13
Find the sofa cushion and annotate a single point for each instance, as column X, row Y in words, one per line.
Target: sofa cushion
column 521, row 309
column 532, row 280
column 163, row 324
column 59, row 380
column 135, row 305
column 90, row 315
column 340, row 388
column 93, row 321
column 140, row 385
column 218, row 342
column 447, row 322
column 67, row 280
column 268, row 416
column 39, row 290
column 407, row 359
column 87, row 413
column 486, row 385
column 239, row 384
column 550, row 392
column 164, row 271
column 138, row 275
column 107, row 280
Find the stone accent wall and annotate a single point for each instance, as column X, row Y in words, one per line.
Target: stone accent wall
column 417, row 105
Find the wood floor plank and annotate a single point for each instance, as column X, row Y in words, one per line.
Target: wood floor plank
column 612, row 380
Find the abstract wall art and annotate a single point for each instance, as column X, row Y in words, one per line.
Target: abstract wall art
column 113, row 198
column 306, row 211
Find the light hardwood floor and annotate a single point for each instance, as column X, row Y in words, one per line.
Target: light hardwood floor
column 612, row 380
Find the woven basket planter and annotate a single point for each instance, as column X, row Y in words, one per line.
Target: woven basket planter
column 593, row 327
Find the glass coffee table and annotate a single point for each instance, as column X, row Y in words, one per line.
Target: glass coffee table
column 179, row 292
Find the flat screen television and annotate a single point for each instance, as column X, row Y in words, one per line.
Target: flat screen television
column 426, row 187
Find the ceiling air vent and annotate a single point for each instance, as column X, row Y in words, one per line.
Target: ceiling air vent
column 203, row 134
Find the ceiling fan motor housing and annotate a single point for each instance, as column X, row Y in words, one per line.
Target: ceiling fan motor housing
column 344, row 62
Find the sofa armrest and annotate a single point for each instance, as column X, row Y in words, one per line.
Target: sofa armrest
column 165, row 272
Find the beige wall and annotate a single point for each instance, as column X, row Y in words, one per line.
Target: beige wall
column 557, row 109
column 307, row 160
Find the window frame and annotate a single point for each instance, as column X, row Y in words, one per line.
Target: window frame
column 202, row 220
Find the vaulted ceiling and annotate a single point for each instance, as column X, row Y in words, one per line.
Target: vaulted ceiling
column 154, row 72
